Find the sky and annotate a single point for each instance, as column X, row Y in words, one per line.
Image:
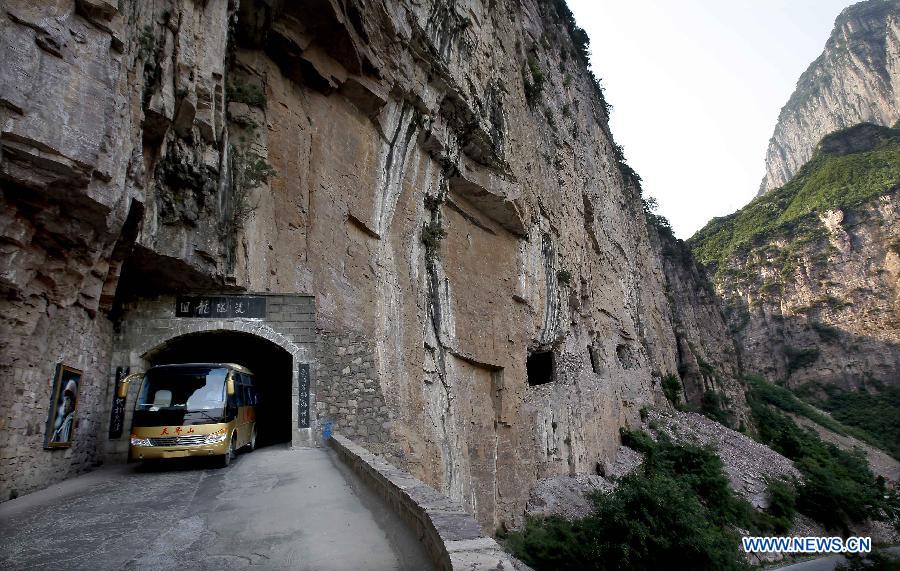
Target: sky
column 696, row 87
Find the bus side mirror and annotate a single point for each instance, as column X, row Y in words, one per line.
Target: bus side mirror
column 229, row 386
column 122, row 387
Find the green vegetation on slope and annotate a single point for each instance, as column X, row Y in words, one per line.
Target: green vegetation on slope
column 870, row 418
column 838, row 488
column 829, row 180
column 678, row 506
column 875, row 416
column 784, row 399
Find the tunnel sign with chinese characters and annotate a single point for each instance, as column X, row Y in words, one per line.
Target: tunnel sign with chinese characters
column 221, row 306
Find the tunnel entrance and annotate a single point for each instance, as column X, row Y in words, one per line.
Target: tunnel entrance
column 271, row 366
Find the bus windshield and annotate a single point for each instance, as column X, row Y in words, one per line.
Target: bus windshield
column 189, row 388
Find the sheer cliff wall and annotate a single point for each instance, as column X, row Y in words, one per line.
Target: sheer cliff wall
column 710, row 367
column 441, row 177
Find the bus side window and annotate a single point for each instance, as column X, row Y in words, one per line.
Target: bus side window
column 238, row 390
column 244, row 400
column 250, row 393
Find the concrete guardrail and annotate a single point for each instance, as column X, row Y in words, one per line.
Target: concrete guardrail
column 452, row 537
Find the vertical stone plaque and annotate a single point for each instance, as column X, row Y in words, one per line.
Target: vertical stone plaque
column 303, row 398
column 117, row 414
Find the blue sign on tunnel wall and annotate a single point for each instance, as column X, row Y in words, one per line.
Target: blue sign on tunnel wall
column 303, row 400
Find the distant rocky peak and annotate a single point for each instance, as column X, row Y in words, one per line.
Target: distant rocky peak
column 856, row 79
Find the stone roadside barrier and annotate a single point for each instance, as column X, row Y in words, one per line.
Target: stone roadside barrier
column 452, row 537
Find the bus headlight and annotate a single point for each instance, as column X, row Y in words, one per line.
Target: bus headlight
column 135, row 441
column 216, row 437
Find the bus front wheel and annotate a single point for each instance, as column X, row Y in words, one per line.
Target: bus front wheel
column 225, row 459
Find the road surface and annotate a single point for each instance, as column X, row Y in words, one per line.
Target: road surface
column 827, row 563
column 272, row 509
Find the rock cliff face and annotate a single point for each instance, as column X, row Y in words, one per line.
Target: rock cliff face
column 810, row 273
column 855, row 80
column 709, row 363
column 440, row 176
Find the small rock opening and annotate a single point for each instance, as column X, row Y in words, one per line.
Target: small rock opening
column 626, row 356
column 271, row 366
column 540, row 367
column 594, row 357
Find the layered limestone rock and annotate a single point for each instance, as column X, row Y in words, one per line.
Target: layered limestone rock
column 87, row 96
column 830, row 316
column 809, row 274
column 440, row 176
column 855, row 80
column 709, row 364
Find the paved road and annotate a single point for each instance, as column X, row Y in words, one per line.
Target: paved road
column 272, row 509
column 827, row 563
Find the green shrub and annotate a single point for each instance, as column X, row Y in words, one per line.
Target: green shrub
column 787, row 401
column 771, row 289
column 838, row 488
column 433, row 202
column 564, row 277
column 799, row 358
column 147, row 43
column 706, row 369
column 533, row 79
column 653, row 520
column 872, row 418
column 432, row 234
column 714, row 405
column 662, row 224
column 628, row 174
column 671, row 386
column 677, row 507
column 782, row 505
column 834, row 303
column 251, row 94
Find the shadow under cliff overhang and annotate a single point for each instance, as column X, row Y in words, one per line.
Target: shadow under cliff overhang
column 146, row 273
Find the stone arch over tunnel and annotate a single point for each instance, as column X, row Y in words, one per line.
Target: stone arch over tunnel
column 271, row 364
column 280, row 343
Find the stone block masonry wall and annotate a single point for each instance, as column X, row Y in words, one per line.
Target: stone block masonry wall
column 148, row 324
column 349, row 393
column 75, row 339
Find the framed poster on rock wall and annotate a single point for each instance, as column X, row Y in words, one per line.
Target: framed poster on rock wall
column 63, row 407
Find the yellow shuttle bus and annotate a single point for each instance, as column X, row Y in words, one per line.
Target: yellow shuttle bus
column 194, row 409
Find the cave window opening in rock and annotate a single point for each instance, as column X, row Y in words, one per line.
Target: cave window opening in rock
column 594, row 358
column 272, row 369
column 626, row 356
column 540, row 368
